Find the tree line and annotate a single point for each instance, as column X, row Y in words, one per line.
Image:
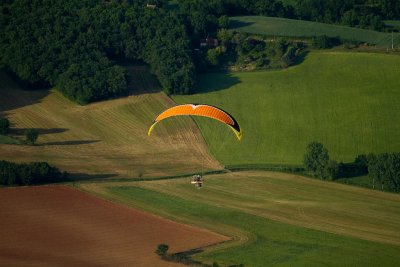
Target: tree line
column 368, row 14
column 383, row 168
column 33, row 173
column 206, row 16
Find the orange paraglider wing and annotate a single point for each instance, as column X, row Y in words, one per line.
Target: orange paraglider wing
column 200, row 110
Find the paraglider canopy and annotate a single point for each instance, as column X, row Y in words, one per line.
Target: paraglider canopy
column 200, row 110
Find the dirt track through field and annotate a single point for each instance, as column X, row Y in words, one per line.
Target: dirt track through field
column 58, row 225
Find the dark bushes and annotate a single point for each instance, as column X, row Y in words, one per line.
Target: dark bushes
column 29, row 173
column 325, row 42
column 4, row 126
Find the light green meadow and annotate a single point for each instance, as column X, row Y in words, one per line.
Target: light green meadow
column 347, row 101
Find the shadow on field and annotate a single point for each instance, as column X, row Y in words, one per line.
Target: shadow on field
column 211, row 82
column 234, row 23
column 140, row 79
column 300, row 58
column 15, row 93
column 74, row 177
column 21, row 131
column 70, row 143
column 185, row 257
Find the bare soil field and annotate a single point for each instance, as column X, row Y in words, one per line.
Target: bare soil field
column 58, row 225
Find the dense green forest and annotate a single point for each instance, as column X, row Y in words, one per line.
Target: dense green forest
column 77, row 45
column 74, row 45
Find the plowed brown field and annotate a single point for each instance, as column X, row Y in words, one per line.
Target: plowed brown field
column 58, row 225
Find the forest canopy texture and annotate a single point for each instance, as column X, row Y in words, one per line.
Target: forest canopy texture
column 73, row 45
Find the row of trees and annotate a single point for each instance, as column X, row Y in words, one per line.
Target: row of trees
column 12, row 174
column 75, row 45
column 206, row 16
column 382, row 168
column 203, row 17
column 355, row 13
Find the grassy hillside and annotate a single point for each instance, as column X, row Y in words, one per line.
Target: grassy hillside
column 276, row 219
column 298, row 28
column 106, row 139
column 347, row 101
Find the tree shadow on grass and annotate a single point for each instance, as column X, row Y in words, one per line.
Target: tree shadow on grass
column 70, row 143
column 185, row 257
column 351, row 170
column 210, row 82
column 235, row 23
column 300, row 58
column 140, row 79
column 15, row 93
column 75, row 177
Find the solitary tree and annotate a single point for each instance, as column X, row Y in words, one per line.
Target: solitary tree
column 4, row 126
column 31, row 136
column 162, row 249
column 316, row 160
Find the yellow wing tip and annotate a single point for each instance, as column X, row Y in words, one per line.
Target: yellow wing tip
column 151, row 128
column 239, row 135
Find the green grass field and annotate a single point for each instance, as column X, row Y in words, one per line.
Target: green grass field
column 272, row 26
column 347, row 101
column 276, row 219
column 4, row 139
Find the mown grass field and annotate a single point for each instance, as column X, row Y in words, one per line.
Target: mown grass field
column 273, row 26
column 347, row 101
column 276, row 219
column 105, row 139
